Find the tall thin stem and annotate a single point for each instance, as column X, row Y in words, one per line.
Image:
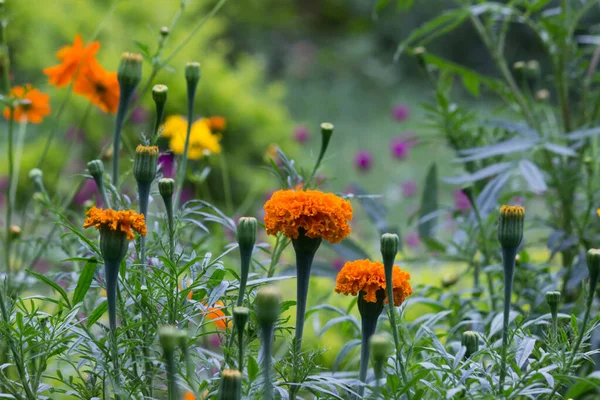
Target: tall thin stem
column 191, row 96
column 9, row 203
column 508, row 255
column 267, row 340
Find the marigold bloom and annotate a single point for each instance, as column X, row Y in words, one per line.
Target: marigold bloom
column 189, row 396
column 320, row 215
column 33, row 105
column 202, row 140
column 123, row 221
column 217, row 124
column 74, row 60
column 217, row 315
column 369, row 277
column 99, row 86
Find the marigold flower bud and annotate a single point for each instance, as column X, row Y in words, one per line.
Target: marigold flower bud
column 166, row 187
column 510, row 226
column 327, row 131
column 246, row 233
column 129, row 73
column 268, row 304
column 164, row 31
column 160, row 94
column 389, row 247
column 593, row 263
column 380, row 348
column 231, row 385
column 240, row 317
column 96, row 169
column 542, row 95
column 15, row 231
column 519, row 65
column 553, row 299
column 419, row 53
column 182, row 338
column 168, row 337
column 470, row 340
column 36, row 174
column 144, row 163
column 113, row 245
column 192, row 72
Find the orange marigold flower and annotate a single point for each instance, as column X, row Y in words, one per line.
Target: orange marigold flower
column 123, row 221
column 74, row 60
column 99, row 86
column 368, row 277
column 320, row 215
column 217, row 124
column 189, row 396
column 217, row 315
column 33, row 105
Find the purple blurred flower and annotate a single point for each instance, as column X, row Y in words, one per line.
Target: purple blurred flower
column 167, row 164
column 87, row 191
column 338, row 263
column 412, row 240
column 400, row 112
column 187, row 194
column 400, row 145
column 461, row 201
column 139, row 115
column 409, row 188
column 301, row 134
column 363, row 160
column 75, row 134
column 214, row 340
column 517, row 201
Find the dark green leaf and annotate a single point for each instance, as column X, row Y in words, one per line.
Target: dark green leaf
column 97, row 313
column 85, row 281
column 53, row 285
column 429, row 203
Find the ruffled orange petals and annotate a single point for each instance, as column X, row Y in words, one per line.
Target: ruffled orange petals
column 321, row 215
column 32, row 107
column 369, row 277
column 74, row 60
column 124, row 221
column 100, row 87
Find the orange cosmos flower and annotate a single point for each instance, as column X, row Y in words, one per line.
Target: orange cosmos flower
column 217, row 315
column 321, row 215
column 100, row 87
column 123, row 221
column 189, row 396
column 74, row 60
column 369, row 277
column 33, row 105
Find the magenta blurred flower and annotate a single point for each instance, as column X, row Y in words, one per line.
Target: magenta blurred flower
column 301, row 134
column 139, row 115
column 461, row 201
column 338, row 263
column 167, row 164
column 400, row 112
column 187, row 194
column 214, row 340
column 349, row 189
column 363, row 160
column 412, row 240
column 409, row 188
column 400, row 145
column 87, row 191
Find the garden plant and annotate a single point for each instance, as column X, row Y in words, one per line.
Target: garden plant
column 149, row 291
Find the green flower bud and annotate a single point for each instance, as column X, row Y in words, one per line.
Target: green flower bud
column 164, row 31
column 389, row 247
column 182, row 338
column 192, row 73
column 533, row 68
column 380, row 348
column 160, row 94
column 268, row 304
column 144, row 163
column 15, row 231
column 419, row 53
column 326, row 131
column 129, row 73
column 240, row 317
column 246, row 233
column 593, row 264
column 553, row 299
column 470, row 340
column 96, row 169
column 168, row 337
column 231, row 385
column 166, row 187
column 36, row 175
column 449, row 280
column 542, row 95
column 510, row 226
column 113, row 245
column 519, row 65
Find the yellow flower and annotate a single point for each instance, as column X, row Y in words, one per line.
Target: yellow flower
column 202, row 140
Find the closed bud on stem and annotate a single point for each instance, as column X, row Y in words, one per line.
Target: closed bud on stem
column 326, row 132
column 160, row 94
column 169, row 338
column 36, row 175
column 166, row 187
column 390, row 243
column 192, row 73
column 268, row 304
column 553, row 300
column 510, row 226
column 593, row 264
column 182, row 338
column 144, row 163
column 470, row 340
column 380, row 348
column 533, row 68
column 96, row 169
column 129, row 73
column 246, row 233
column 15, row 231
column 231, row 385
column 164, row 31
column 240, row 317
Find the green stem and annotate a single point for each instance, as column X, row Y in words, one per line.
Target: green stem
column 144, row 195
column 226, row 183
column 368, row 329
column 191, row 96
column 9, row 205
column 172, row 388
column 508, row 255
column 586, row 320
column 121, row 111
column 240, row 332
column 267, row 340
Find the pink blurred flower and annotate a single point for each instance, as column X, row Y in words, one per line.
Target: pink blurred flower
column 461, row 201
column 87, row 191
column 167, row 164
column 301, row 134
column 139, row 115
column 363, row 160
column 409, row 188
column 400, row 145
column 400, row 112
column 338, row 263
column 412, row 240
column 214, row 340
